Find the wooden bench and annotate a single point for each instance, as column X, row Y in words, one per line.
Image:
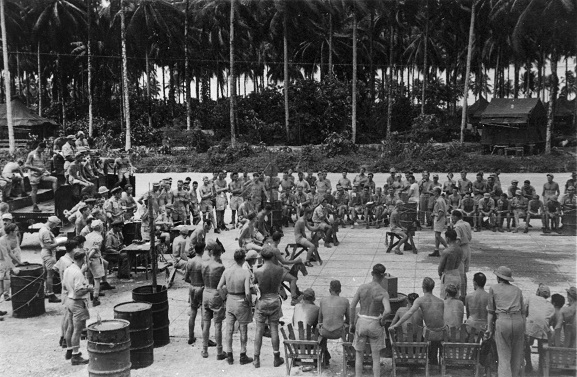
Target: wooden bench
column 297, row 250
column 305, row 350
column 409, row 348
column 461, row 347
column 392, row 239
column 559, row 352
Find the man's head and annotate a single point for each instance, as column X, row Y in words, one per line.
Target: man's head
column 558, row 301
column 437, row 191
column 309, row 295
column 251, row 257
column 370, row 176
column 456, row 215
column 79, row 257
column 199, row 249
column 428, row 284
column 276, row 237
column 301, row 175
column 267, row 253
column 571, row 190
column 435, row 177
column 479, row 280
column 213, row 249
column 7, row 219
column 117, row 225
column 572, row 294
column 10, row 229
column 53, row 222
column 391, row 191
column 195, row 185
column 345, row 174
column 463, row 174
column 267, row 208
column 41, row 146
column 117, row 192
column 207, row 224
column 205, row 180
column 543, row 291
column 399, row 203
column 313, row 189
column 410, row 178
column 378, row 272
column 518, row 193
column 393, row 171
column 239, row 256
column 366, row 190
column 335, row 287
column 479, row 177
column 70, row 245
column 451, row 290
column 234, row 176
column 256, row 176
column 363, row 170
column 79, row 156
column 527, row 183
column 451, row 235
column 412, row 297
column 179, row 184
column 129, row 190
column 514, row 183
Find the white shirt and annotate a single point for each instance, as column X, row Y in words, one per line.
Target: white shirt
column 74, row 280
column 414, row 198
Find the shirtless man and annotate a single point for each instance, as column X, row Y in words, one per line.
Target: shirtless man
column 286, row 184
column 179, row 251
column 454, row 310
column 333, row 317
column 476, row 303
column 341, row 203
column 450, row 266
column 261, row 220
column 235, row 189
column 569, row 317
column 238, row 305
column 464, row 184
column 212, row 300
column 268, row 307
column 417, row 317
column 397, row 228
column 433, row 309
column 361, row 178
column 11, row 179
column 464, row 237
column 246, row 239
column 345, row 182
column 306, row 311
column 302, row 183
column 193, row 275
column 369, row 326
column 206, row 194
column 221, row 189
column 281, row 261
column 36, row 165
column 301, row 236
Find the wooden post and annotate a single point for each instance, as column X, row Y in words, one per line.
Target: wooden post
column 152, row 247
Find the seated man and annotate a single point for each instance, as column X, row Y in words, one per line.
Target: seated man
column 539, row 314
column 113, row 249
column 469, row 208
column 379, row 206
column 416, row 318
column 454, row 309
column 306, row 311
column 341, row 203
column 552, row 214
column 179, row 251
column 486, row 208
column 397, row 228
column 390, row 202
column 535, row 210
column 12, row 175
column 288, row 206
column 503, row 210
column 76, row 174
column 333, row 317
column 301, row 236
column 198, row 237
column 433, row 309
column 476, row 303
column 322, row 222
column 248, row 239
column 519, row 206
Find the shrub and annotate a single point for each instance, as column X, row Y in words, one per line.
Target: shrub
column 338, row 144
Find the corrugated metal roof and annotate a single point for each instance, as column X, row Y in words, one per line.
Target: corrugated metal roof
column 513, row 108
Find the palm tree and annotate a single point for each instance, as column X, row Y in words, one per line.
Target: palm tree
column 89, row 54
column 125, row 95
column 7, row 81
column 467, row 73
column 232, row 79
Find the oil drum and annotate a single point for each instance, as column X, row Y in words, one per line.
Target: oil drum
column 139, row 314
column 28, row 291
column 109, row 348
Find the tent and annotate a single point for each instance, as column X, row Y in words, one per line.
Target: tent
column 25, row 122
column 520, row 122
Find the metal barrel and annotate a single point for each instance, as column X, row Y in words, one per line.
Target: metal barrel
column 28, row 291
column 139, row 314
column 159, row 301
column 109, row 348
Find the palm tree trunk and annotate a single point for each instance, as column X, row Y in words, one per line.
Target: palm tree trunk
column 9, row 120
column 231, row 78
column 18, row 76
column 126, row 103
column 467, row 72
column 39, row 81
column 516, row 78
column 354, row 89
column 371, row 66
column 552, row 101
column 187, row 67
column 390, row 85
column 425, row 60
column 148, row 97
column 286, row 77
column 496, row 76
column 330, row 42
column 61, row 90
column 89, row 53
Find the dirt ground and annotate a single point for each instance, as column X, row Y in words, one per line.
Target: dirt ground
column 29, row 347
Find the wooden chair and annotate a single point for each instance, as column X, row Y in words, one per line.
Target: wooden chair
column 410, row 348
column 392, row 239
column 559, row 354
column 461, row 348
column 349, row 352
column 305, row 350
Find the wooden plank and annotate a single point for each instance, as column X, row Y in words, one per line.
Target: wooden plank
column 301, row 331
column 291, row 331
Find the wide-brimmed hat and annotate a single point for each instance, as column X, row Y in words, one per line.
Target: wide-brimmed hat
column 504, row 273
column 71, row 137
column 54, row 220
column 7, row 216
column 115, row 190
column 309, row 295
column 102, row 190
column 252, row 254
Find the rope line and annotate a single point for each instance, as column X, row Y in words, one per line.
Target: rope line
column 36, row 295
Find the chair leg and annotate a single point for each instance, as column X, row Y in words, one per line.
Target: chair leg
column 344, row 362
column 288, row 361
column 427, row 367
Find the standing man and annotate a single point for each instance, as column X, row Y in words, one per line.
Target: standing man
column 398, row 229
column 206, row 202
column 181, row 200
column 361, row 178
column 433, row 309
column 476, row 303
column 212, row 300
column 345, row 182
column 450, row 185
column 268, row 308
column 235, row 188
column 450, row 266
column 78, row 291
column 48, row 254
column 238, row 305
column 439, row 220
column 113, row 207
column 425, row 190
column 333, row 317
column 193, row 275
column 369, row 326
column 464, row 237
column 36, row 165
column 464, row 184
column 221, row 189
column 391, row 179
column 550, row 188
column 413, row 191
column 528, row 190
column 257, row 191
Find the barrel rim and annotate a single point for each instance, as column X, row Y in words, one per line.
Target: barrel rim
column 126, row 324
column 133, row 302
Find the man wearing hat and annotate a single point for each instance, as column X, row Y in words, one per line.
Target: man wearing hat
column 368, row 326
column 512, row 190
column 179, row 252
column 212, row 299
column 113, row 252
column 81, row 142
column 69, row 149
column 78, row 291
column 508, row 330
column 570, row 202
column 539, row 313
column 519, row 206
column 75, row 174
column 571, row 181
column 80, row 221
column 113, row 207
column 37, row 172
column 250, row 261
column 238, row 305
column 154, row 196
column 48, row 254
column 333, row 317
column 550, row 188
column 12, row 175
column 569, row 318
column 97, row 266
column 486, row 208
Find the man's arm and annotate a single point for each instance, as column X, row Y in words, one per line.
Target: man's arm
column 387, row 308
column 442, row 263
column 221, row 283
column 247, row 293
column 408, row 314
column 281, row 259
column 352, row 310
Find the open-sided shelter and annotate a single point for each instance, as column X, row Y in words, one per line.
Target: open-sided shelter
column 25, row 122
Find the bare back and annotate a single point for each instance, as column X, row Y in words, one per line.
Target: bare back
column 211, row 273
column 269, row 278
column 433, row 309
column 371, row 297
column 235, row 279
column 194, row 271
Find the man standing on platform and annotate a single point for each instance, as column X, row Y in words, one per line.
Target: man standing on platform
column 35, row 163
column 370, row 324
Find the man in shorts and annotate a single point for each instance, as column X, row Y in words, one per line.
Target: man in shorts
column 535, row 209
column 486, row 208
column 268, row 307
column 464, row 184
column 301, row 236
column 248, row 237
column 206, row 194
column 322, row 222
column 181, row 202
column 552, row 213
column 464, row 237
column 212, row 299
column 48, row 254
column 76, row 174
column 7, row 259
column 78, row 290
column 342, row 200
column 333, row 317
column 238, row 305
column 469, row 209
column 503, row 211
column 369, row 325
column 439, row 216
column 519, row 206
column 235, row 188
column 221, row 200
column 12, row 175
column 36, row 165
column 345, row 182
column 550, row 188
column 279, row 259
column 113, row 250
column 193, row 275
